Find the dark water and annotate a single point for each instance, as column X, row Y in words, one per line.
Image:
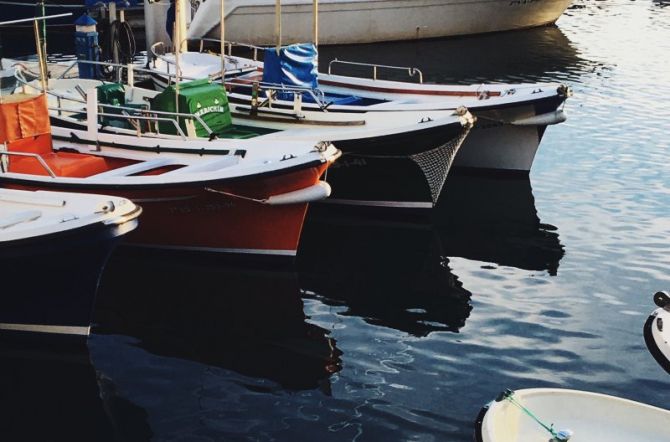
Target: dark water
column 403, row 329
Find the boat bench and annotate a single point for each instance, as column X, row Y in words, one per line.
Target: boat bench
column 63, row 164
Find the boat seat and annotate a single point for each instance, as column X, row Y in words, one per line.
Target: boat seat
column 63, row 164
column 137, row 168
column 207, row 166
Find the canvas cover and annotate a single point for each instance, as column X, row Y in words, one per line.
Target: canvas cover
column 199, row 97
column 112, row 93
column 23, row 116
column 295, row 65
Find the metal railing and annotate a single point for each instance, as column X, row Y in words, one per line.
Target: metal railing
column 132, row 112
column 32, row 155
column 411, row 71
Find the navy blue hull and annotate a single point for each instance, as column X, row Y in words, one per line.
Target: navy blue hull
column 51, row 281
column 399, row 170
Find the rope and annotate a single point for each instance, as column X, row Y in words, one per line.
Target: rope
column 209, row 189
column 561, row 436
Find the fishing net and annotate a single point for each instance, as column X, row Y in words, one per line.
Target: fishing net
column 436, row 163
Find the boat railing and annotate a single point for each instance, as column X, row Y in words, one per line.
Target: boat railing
column 31, row 155
column 411, row 71
column 151, row 116
column 270, row 89
column 228, row 46
column 129, row 113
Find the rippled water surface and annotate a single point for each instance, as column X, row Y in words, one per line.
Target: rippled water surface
column 402, row 330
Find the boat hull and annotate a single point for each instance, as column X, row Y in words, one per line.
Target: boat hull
column 590, row 417
column 50, row 281
column 507, row 134
column 657, row 337
column 224, row 216
column 403, row 171
column 366, row 21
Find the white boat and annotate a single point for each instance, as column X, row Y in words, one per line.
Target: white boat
column 53, row 248
column 559, row 415
column 365, row 21
column 390, row 158
column 512, row 118
column 657, row 330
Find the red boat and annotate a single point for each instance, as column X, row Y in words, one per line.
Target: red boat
column 217, row 201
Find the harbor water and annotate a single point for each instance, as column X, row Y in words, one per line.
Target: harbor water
column 400, row 328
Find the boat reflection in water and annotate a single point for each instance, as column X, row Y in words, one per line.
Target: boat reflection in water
column 528, row 55
column 195, row 309
column 392, row 274
column 495, row 220
column 56, row 395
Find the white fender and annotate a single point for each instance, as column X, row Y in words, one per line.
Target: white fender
column 316, row 192
column 555, row 117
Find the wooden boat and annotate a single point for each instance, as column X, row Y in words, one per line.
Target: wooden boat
column 250, row 198
column 513, row 118
column 390, row 159
column 365, row 21
column 524, row 416
column 53, row 248
column 657, row 331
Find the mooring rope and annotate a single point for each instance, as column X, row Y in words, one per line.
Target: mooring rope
column 560, row 436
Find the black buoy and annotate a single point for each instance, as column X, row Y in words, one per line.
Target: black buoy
column 662, row 299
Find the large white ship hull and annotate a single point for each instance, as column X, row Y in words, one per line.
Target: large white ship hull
column 366, row 21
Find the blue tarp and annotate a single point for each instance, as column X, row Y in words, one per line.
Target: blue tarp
column 295, row 65
column 119, row 3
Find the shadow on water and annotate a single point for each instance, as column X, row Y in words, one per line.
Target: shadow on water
column 495, row 220
column 53, row 394
column 244, row 320
column 393, row 274
column 532, row 54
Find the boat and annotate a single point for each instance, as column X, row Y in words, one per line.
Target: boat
column 365, row 21
column 390, row 159
column 512, row 118
column 53, row 248
column 248, row 199
column 559, row 415
column 657, row 330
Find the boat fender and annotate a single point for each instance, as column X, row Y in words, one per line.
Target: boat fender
column 316, row 192
column 662, row 299
column 555, row 117
column 564, row 91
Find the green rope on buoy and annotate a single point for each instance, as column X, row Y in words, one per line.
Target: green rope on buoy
column 561, row 436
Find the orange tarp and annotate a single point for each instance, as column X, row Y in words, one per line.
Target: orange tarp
column 23, row 116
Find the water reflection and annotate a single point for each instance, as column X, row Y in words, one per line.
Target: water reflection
column 393, row 274
column 247, row 321
column 533, row 54
column 495, row 220
column 55, row 394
